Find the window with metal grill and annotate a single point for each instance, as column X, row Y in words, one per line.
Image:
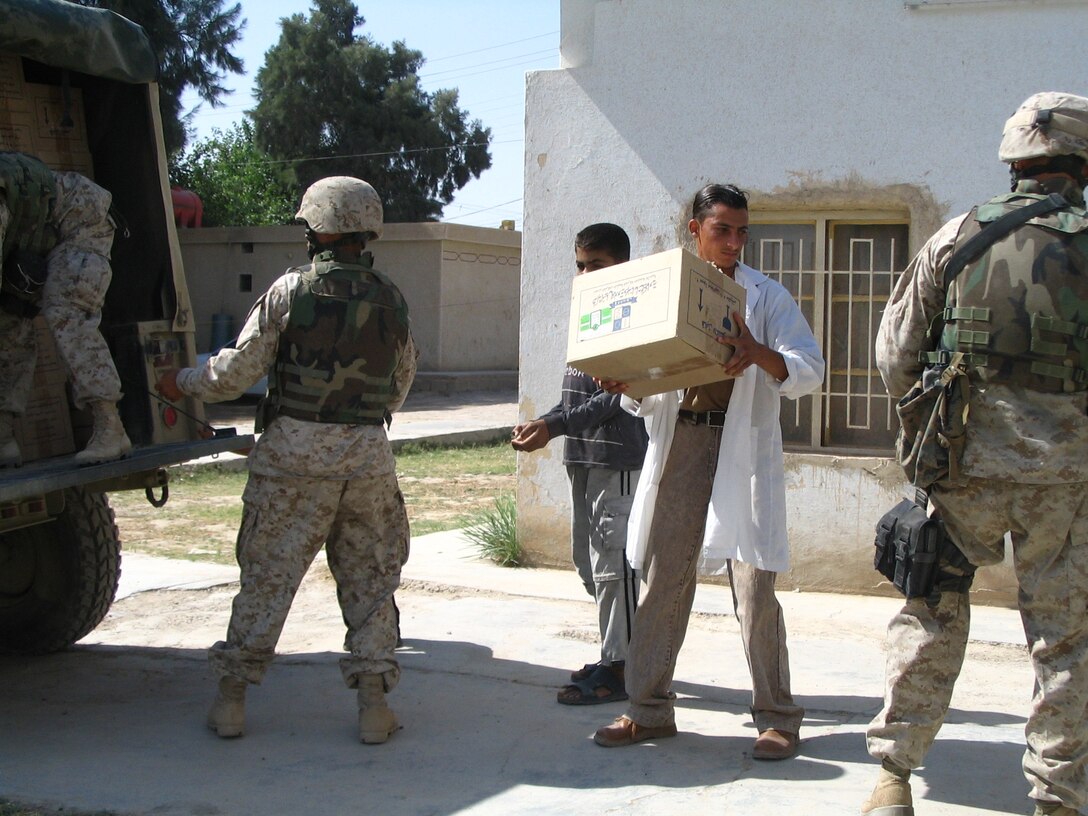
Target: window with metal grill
column 840, row 267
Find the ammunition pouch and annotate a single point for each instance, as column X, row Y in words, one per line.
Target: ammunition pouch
column 24, row 276
column 915, row 553
column 933, row 425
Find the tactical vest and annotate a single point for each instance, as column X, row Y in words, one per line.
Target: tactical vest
column 336, row 358
column 1020, row 312
column 29, row 190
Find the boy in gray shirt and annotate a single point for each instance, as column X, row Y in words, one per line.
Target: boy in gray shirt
column 603, row 455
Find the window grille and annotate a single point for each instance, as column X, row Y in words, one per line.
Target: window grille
column 841, row 272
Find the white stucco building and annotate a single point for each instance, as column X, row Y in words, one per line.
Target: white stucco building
column 857, row 126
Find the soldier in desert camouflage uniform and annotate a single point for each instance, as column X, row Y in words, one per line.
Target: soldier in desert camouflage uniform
column 56, row 233
column 1020, row 314
column 334, row 339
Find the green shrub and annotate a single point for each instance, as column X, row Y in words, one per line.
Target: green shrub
column 495, row 532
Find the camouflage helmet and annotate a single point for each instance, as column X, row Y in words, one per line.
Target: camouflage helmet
column 1047, row 124
column 341, row 204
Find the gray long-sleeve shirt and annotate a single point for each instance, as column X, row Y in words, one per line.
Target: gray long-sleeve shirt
column 599, row 433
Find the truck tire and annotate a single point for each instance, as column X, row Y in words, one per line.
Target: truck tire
column 58, row 579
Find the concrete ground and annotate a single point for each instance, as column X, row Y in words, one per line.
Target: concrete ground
column 117, row 723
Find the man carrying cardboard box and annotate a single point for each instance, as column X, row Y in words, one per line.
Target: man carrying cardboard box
column 712, row 494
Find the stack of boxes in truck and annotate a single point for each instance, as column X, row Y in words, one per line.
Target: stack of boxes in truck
column 46, row 428
column 46, row 121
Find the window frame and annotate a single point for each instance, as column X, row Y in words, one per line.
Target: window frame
column 823, row 222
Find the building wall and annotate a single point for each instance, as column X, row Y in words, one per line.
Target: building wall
column 461, row 284
column 860, row 104
column 479, row 307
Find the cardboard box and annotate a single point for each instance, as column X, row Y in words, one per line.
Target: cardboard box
column 39, row 120
column 11, row 75
column 653, row 323
column 45, row 429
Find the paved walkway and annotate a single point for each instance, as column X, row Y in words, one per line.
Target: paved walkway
column 117, row 723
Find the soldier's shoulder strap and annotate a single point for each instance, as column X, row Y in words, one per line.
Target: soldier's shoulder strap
column 975, row 246
column 995, row 231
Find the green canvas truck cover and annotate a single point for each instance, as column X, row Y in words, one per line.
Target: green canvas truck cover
column 90, row 40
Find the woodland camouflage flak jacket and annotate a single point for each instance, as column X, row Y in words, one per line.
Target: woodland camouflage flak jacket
column 1020, row 312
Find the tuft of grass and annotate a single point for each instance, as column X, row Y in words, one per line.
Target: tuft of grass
column 495, row 532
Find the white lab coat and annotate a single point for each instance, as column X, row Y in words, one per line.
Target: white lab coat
column 746, row 519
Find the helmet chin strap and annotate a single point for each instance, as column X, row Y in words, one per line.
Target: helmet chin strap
column 1072, row 166
column 313, row 247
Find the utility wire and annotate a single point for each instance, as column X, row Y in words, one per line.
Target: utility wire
column 432, row 74
column 485, row 209
column 447, row 75
column 493, row 47
column 380, row 153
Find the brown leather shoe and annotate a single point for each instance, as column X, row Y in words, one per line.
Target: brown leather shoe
column 775, row 744
column 625, row 731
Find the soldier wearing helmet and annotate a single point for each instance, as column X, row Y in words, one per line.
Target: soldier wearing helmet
column 56, row 233
column 1006, row 287
column 334, row 340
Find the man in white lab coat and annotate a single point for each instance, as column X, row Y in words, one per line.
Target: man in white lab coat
column 712, row 496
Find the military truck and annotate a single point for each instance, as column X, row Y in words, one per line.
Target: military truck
column 78, row 90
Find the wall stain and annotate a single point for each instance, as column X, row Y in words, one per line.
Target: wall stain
column 810, row 191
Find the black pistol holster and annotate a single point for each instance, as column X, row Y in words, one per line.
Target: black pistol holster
column 915, row 553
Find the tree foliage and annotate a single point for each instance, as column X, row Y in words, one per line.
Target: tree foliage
column 334, row 102
column 238, row 184
column 193, row 39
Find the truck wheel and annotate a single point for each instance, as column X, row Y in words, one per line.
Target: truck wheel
column 58, row 579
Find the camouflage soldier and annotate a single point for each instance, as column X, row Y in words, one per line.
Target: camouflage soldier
column 56, row 233
column 333, row 338
column 1019, row 313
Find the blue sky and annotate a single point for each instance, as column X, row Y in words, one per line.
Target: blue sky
column 481, row 47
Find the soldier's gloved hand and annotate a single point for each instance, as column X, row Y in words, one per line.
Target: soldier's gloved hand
column 168, row 385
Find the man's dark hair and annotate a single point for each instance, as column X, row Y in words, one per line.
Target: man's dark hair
column 606, row 238
column 726, row 194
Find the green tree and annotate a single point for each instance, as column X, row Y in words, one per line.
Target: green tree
column 193, row 39
column 239, row 185
column 334, row 102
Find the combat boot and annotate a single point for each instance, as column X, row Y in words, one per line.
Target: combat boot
column 891, row 796
column 227, row 717
column 376, row 721
column 1054, row 809
column 109, row 440
column 10, row 455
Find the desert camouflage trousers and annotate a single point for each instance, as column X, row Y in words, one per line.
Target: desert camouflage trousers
column 926, row 644
column 71, row 302
column 286, row 520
